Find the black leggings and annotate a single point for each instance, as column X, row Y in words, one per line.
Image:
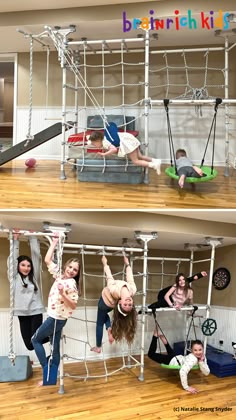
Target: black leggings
column 28, row 326
column 161, row 302
column 159, row 357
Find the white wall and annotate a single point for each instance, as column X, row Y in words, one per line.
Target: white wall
column 173, row 325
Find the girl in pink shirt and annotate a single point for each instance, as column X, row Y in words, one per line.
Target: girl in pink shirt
column 179, row 294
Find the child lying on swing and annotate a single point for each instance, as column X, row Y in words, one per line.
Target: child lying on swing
column 196, row 357
column 185, row 167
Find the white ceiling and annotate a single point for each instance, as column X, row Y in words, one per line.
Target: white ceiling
column 20, row 5
column 98, row 228
column 102, row 28
column 223, row 216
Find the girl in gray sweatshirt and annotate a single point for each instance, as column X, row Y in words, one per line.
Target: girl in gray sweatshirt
column 28, row 304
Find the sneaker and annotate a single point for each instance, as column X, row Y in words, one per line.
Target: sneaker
column 157, row 163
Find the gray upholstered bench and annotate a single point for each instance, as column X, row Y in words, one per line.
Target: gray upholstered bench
column 113, row 170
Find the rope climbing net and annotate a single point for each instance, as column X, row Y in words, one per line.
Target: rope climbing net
column 95, row 107
column 187, row 74
column 194, row 74
column 81, row 329
column 77, row 347
column 84, row 64
column 86, row 323
column 122, row 89
column 161, row 275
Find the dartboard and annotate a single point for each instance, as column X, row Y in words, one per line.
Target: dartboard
column 221, row 278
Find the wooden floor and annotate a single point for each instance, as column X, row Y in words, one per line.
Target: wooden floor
column 123, row 397
column 41, row 187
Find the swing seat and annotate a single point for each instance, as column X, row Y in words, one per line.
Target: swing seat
column 170, row 171
column 177, row 367
column 50, row 379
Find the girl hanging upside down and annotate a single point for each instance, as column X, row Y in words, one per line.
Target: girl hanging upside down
column 116, row 296
column 128, row 145
column 196, row 357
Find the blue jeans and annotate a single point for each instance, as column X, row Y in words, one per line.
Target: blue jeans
column 47, row 330
column 102, row 319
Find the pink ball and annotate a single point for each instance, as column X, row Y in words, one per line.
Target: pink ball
column 30, row 163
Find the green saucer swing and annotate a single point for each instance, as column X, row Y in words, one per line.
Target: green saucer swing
column 209, row 174
column 177, row 367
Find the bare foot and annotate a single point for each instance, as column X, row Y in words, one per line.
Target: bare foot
column 181, row 181
column 110, row 336
column 40, row 383
column 96, row 349
column 163, row 339
column 157, row 333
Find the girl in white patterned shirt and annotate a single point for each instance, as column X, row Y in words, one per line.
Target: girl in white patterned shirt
column 62, row 300
column 196, row 357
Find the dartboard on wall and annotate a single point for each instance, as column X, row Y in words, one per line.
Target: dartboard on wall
column 221, row 278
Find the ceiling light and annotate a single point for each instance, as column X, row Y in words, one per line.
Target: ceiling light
column 231, row 18
column 155, row 36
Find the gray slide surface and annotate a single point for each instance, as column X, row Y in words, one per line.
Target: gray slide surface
column 26, row 145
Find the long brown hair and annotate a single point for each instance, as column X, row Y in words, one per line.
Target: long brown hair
column 124, row 326
column 186, row 286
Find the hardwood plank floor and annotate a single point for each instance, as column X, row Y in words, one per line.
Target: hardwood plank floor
column 41, row 188
column 122, row 396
